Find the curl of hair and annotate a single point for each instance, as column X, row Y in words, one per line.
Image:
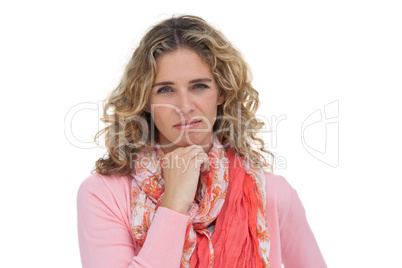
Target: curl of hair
column 130, row 127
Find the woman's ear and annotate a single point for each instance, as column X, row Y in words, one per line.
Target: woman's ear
column 221, row 97
column 146, row 108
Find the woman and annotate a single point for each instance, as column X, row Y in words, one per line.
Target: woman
column 183, row 184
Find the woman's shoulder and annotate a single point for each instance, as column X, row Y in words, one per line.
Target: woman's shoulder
column 276, row 185
column 279, row 193
column 105, row 188
column 97, row 182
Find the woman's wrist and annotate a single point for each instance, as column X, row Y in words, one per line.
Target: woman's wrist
column 174, row 206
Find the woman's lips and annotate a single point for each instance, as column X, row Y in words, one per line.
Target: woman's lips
column 188, row 125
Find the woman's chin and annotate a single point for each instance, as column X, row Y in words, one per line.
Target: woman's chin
column 192, row 138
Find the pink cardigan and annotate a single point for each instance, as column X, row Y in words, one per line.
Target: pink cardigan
column 105, row 239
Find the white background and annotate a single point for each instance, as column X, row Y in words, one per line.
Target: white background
column 303, row 54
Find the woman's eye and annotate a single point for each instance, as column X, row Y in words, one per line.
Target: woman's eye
column 200, row 86
column 164, row 90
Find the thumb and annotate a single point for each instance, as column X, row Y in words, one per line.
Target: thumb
column 205, row 164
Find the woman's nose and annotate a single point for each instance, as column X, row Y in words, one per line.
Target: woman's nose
column 185, row 103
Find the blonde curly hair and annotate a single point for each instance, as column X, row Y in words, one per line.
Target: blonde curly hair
column 129, row 124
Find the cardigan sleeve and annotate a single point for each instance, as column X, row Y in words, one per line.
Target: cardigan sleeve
column 104, row 230
column 299, row 247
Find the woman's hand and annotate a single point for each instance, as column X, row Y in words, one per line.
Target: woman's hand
column 181, row 171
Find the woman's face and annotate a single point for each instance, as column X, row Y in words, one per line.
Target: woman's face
column 183, row 100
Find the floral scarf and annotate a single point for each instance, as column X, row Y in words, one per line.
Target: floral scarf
column 147, row 193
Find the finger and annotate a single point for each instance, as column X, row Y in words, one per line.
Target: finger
column 204, row 167
column 184, row 150
column 196, row 153
column 194, row 156
column 202, row 161
column 190, row 151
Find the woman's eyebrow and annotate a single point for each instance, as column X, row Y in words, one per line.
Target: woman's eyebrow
column 163, row 84
column 200, row 80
